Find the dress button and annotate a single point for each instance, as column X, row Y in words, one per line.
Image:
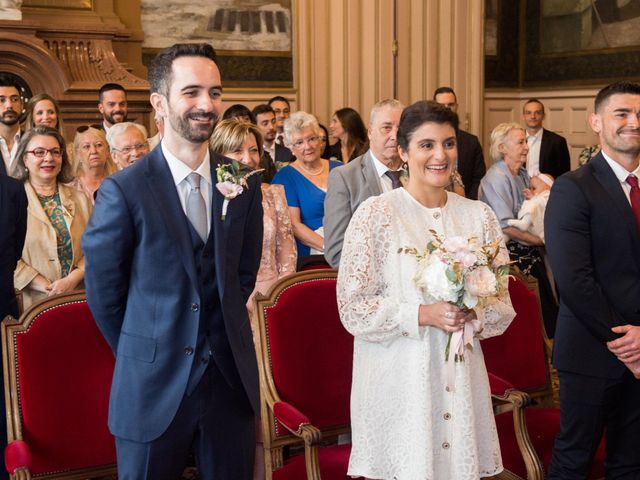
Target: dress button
column 447, row 416
column 436, row 215
column 446, row 445
column 188, row 351
column 195, row 307
column 405, row 334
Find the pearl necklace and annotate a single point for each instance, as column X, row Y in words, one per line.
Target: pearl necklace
column 310, row 172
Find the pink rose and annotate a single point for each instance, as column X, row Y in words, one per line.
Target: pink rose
column 455, row 244
column 481, row 282
column 466, row 258
column 229, row 190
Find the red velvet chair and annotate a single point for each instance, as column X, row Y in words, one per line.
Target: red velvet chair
column 305, row 358
column 58, row 371
column 520, row 358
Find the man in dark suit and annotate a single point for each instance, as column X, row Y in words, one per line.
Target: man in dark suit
column 593, row 239
column 282, row 109
column 13, row 228
column 548, row 151
column 471, row 166
column 266, row 122
column 369, row 175
column 10, row 111
column 112, row 105
column 167, row 281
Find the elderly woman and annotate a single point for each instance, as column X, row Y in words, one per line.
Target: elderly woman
column 406, row 422
column 43, row 110
column 305, row 180
column 502, row 188
column 93, row 162
column 52, row 261
column 242, row 142
column 128, row 143
column 348, row 128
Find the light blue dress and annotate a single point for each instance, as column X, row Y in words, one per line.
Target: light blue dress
column 303, row 194
column 503, row 192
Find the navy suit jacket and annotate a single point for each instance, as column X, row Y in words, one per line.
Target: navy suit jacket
column 13, row 228
column 471, row 166
column 3, row 167
column 593, row 247
column 142, row 288
column 554, row 154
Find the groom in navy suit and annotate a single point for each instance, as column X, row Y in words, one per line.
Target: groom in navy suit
column 592, row 233
column 167, row 281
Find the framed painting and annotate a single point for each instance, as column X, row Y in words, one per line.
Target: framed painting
column 252, row 37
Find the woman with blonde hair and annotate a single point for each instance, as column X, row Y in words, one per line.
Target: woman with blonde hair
column 43, row 110
column 52, row 261
column 242, row 142
column 93, row 160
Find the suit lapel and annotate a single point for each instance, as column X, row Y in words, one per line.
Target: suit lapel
column 605, row 176
column 3, row 168
column 163, row 190
column 544, row 148
column 219, row 228
column 370, row 175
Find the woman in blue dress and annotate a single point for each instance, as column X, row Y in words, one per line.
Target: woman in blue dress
column 305, row 181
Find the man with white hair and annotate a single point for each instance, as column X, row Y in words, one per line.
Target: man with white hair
column 128, row 143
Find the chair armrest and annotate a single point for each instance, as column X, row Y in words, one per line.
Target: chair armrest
column 17, row 458
column 296, row 422
column 498, row 385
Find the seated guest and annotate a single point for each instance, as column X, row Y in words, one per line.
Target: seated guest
column 348, row 128
column 242, row 142
column 531, row 214
column 128, row 143
column 93, row 163
column 155, row 140
column 324, row 140
column 52, row 261
column 43, row 110
column 305, row 180
column 240, row 112
column 502, row 188
column 277, row 154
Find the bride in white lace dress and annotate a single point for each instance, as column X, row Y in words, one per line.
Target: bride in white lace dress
column 406, row 425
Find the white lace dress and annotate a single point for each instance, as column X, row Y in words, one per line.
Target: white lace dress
column 405, row 425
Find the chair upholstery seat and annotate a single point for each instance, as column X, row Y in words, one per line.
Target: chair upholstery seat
column 334, row 461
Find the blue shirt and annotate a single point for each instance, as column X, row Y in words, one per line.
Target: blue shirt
column 502, row 191
column 303, row 194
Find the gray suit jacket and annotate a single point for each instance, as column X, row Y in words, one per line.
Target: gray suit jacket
column 348, row 187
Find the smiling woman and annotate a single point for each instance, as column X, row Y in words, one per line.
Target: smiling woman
column 52, row 261
column 404, row 421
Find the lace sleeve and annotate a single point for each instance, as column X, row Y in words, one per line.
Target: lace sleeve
column 368, row 309
column 498, row 315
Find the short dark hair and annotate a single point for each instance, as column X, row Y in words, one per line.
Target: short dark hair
column 238, row 110
column 107, row 87
column 603, row 95
column 424, row 111
column 20, row 171
column 440, row 90
column 279, row 98
column 262, row 108
column 10, row 81
column 533, row 100
column 160, row 71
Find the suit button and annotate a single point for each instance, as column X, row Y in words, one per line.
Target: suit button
column 446, row 445
column 188, row 351
column 195, row 307
column 447, row 416
column 205, row 255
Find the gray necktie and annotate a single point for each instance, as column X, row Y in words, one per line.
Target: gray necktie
column 394, row 175
column 196, row 208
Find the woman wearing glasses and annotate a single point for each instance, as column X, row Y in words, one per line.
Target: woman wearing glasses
column 92, row 160
column 52, row 261
column 305, row 181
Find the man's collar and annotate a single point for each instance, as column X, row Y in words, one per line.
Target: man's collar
column 180, row 170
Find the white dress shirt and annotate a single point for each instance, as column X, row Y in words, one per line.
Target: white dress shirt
column 9, row 155
column 180, row 171
column 533, row 160
column 381, row 170
column 621, row 174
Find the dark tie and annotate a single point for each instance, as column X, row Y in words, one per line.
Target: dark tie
column 394, row 175
column 196, row 208
column 634, row 195
column 280, row 140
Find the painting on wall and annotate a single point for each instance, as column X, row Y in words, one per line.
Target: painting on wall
column 252, row 37
column 586, row 52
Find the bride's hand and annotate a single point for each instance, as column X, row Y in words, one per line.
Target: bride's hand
column 444, row 316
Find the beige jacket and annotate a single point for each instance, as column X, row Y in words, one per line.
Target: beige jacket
column 40, row 253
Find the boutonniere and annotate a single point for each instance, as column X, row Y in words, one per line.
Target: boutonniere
column 232, row 180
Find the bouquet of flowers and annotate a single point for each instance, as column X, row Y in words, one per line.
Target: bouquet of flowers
column 464, row 273
column 232, row 180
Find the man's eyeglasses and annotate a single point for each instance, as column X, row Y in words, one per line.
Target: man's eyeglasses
column 129, row 150
column 313, row 141
column 42, row 152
